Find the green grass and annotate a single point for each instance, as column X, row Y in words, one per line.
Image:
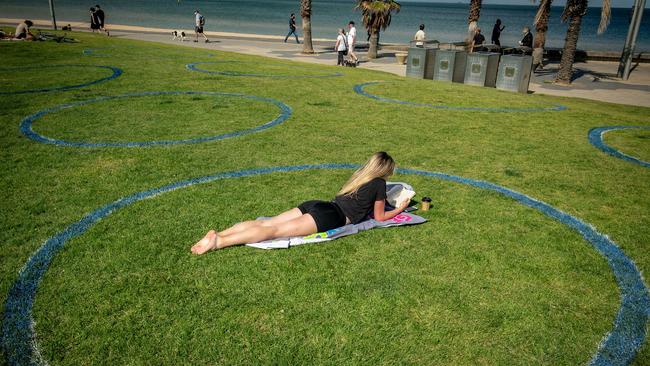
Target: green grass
column 485, row 281
column 166, row 117
column 631, row 142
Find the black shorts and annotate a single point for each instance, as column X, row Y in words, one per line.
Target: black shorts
column 328, row 215
column 198, row 29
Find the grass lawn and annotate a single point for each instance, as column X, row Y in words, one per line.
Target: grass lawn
column 486, row 281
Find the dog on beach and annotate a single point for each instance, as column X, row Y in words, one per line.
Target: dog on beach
column 178, row 35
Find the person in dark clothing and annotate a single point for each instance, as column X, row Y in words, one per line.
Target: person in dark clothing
column 527, row 41
column 478, row 40
column 364, row 193
column 496, row 32
column 100, row 18
column 94, row 21
column 292, row 28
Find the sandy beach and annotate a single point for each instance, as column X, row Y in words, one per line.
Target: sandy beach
column 594, row 80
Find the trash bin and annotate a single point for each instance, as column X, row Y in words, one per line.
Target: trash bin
column 514, row 73
column 420, row 63
column 481, row 69
column 449, row 65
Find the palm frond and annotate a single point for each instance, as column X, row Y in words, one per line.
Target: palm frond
column 377, row 14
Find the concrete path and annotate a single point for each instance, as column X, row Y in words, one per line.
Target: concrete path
column 594, row 80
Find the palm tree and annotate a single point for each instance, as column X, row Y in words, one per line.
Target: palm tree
column 573, row 13
column 541, row 23
column 541, row 26
column 376, row 16
column 305, row 14
column 472, row 19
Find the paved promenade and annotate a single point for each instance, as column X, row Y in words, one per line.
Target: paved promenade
column 594, row 80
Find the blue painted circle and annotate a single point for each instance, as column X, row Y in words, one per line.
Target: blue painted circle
column 26, row 124
column 93, row 52
column 618, row 347
column 115, row 73
column 194, row 67
column 596, row 138
column 359, row 89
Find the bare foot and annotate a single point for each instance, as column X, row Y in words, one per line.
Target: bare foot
column 209, row 242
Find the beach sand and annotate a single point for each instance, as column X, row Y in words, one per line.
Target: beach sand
column 595, row 80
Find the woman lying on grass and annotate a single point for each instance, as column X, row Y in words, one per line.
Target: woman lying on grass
column 364, row 192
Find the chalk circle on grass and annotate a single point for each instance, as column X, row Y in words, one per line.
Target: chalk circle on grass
column 115, row 72
column 196, row 67
column 360, row 89
column 595, row 136
column 98, row 52
column 26, row 126
column 618, row 347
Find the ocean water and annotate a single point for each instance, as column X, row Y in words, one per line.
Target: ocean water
column 444, row 22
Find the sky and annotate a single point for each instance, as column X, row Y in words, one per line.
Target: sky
column 592, row 3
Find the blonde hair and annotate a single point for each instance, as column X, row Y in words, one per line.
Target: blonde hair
column 380, row 165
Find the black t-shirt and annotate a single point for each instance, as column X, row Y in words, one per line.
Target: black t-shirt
column 357, row 206
column 478, row 39
column 528, row 40
column 496, row 33
column 100, row 15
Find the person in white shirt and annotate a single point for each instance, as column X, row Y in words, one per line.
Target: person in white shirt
column 341, row 46
column 352, row 39
column 420, row 37
column 22, row 31
column 199, row 22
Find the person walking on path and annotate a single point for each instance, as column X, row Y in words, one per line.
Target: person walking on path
column 341, row 46
column 292, row 28
column 496, row 32
column 100, row 18
column 352, row 39
column 94, row 20
column 199, row 22
column 420, row 37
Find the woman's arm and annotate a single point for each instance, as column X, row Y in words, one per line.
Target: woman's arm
column 381, row 215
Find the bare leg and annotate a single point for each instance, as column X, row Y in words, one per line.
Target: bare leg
column 246, row 225
column 303, row 225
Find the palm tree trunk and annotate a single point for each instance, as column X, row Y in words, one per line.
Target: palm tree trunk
column 305, row 14
column 472, row 19
column 541, row 23
column 569, row 51
column 373, row 45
